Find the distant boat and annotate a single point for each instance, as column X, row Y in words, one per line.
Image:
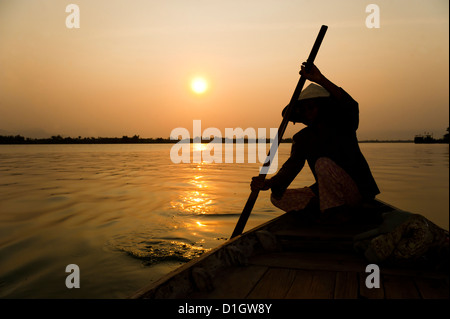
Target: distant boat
column 424, row 139
column 428, row 138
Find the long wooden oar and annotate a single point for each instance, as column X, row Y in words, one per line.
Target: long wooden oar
column 263, row 172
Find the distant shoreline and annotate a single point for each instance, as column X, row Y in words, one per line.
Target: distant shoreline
column 18, row 139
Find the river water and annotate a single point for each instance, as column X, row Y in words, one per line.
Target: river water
column 126, row 215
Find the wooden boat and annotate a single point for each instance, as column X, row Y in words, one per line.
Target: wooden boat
column 291, row 258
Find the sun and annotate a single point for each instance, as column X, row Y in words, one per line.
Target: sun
column 199, row 85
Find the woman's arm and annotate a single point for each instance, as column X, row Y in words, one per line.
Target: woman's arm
column 348, row 108
column 314, row 75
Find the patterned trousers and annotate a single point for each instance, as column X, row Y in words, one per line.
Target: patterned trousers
column 336, row 188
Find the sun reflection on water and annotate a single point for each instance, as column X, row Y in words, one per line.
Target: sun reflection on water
column 195, row 200
column 199, row 147
column 200, row 224
column 193, row 203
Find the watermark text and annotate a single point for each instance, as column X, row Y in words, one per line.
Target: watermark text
column 230, row 149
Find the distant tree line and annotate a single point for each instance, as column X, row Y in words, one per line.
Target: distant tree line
column 58, row 139
column 136, row 139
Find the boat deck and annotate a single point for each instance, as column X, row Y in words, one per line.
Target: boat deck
column 310, row 275
column 288, row 259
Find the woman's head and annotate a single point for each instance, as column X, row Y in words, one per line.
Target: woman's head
column 307, row 109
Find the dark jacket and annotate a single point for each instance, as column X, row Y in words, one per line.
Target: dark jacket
column 333, row 135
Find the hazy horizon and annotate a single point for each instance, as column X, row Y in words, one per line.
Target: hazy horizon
column 43, row 135
column 128, row 69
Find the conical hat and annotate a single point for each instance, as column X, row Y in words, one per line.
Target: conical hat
column 313, row 91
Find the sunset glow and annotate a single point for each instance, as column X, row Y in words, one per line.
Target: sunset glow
column 147, row 67
column 199, row 85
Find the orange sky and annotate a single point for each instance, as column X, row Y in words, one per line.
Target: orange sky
column 127, row 69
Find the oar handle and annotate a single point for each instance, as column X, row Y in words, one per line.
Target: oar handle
column 239, row 228
column 302, row 80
